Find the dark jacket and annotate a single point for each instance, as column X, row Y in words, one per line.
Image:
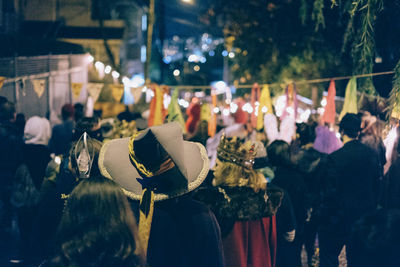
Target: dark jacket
column 350, row 186
column 36, row 157
column 392, row 192
column 184, row 232
column 61, row 137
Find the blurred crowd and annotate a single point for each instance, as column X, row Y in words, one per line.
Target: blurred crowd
column 114, row 192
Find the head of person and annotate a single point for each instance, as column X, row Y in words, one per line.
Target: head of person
column 7, row 111
column 67, row 112
column 90, row 125
column 350, row 125
column 279, row 153
column 37, row 131
column 377, row 235
column 84, row 157
column 234, row 166
column 306, row 133
column 78, row 111
column 98, row 227
column 155, row 164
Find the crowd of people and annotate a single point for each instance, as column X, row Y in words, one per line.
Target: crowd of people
column 159, row 197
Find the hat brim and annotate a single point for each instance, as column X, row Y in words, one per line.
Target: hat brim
column 114, row 163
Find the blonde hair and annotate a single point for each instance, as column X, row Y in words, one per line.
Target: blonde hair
column 232, row 175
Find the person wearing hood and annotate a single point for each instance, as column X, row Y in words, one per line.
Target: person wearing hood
column 29, row 175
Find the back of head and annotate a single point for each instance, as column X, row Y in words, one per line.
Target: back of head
column 67, row 112
column 78, row 111
column 279, row 153
column 306, row 133
column 37, row 131
column 350, row 125
column 7, row 111
column 90, row 125
column 94, row 146
column 98, row 227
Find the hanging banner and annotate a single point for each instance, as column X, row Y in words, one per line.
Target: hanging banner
column 38, row 87
column 157, row 111
column 212, row 123
column 265, row 106
column 2, row 79
column 174, row 111
column 94, row 90
column 76, row 89
column 117, row 91
column 255, row 96
column 330, row 108
column 350, row 99
column 136, row 93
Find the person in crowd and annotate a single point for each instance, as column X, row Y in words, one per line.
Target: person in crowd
column 244, row 205
column 97, row 228
column 62, row 176
column 349, row 190
column 310, row 163
column 79, row 112
column 375, row 240
column 289, row 179
column 157, row 170
column 201, row 133
column 20, row 123
column 10, row 158
column 90, row 125
column 392, row 179
column 326, row 141
column 29, row 176
column 61, row 136
column 125, row 115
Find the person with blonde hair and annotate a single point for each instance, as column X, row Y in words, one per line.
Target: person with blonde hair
column 244, row 205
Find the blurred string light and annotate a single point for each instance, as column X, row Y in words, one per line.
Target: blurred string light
column 99, row 65
column 225, row 112
column 183, row 103
column 211, row 53
column 176, row 72
column 216, row 110
column 225, row 53
column 323, row 102
column 233, row 107
column 115, row 74
column 107, row 69
column 90, row 58
column 196, row 68
column 247, row 107
column 231, row 55
column 264, row 109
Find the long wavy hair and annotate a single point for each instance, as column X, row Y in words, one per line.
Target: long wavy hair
column 98, row 228
column 230, row 174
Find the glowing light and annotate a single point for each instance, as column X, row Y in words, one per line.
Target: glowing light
column 99, row 65
column 233, row 107
column 125, row 80
column 176, row 72
column 216, row 110
column 228, row 101
column 231, row 55
column 193, row 58
column 186, row 104
column 196, row 68
column 264, row 109
column 290, row 110
column 225, row 53
column 203, row 60
column 144, row 89
column 57, row 160
column 225, row 112
column 248, row 108
column 320, row 111
column 323, row 102
column 107, row 69
column 115, row 74
column 211, row 53
column 338, row 136
column 90, row 58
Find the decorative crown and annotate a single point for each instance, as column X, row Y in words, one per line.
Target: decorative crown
column 231, row 150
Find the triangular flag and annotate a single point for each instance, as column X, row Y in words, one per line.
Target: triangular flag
column 2, row 79
column 291, row 102
column 264, row 107
column 212, row 123
column 76, row 89
column 330, row 108
column 38, row 87
column 205, row 112
column 94, row 90
column 174, row 111
column 350, row 99
column 136, row 93
column 117, row 91
column 156, row 116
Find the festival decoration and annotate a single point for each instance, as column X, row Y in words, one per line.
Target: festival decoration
column 255, row 95
column 265, row 106
column 193, row 113
column 76, row 89
column 350, row 100
column 94, row 90
column 291, row 102
column 137, row 93
column 394, row 98
column 157, row 110
column 117, row 91
column 330, row 108
column 174, row 111
column 2, row 79
column 38, row 87
column 287, row 128
column 212, row 123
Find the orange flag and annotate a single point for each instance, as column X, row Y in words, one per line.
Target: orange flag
column 330, row 108
column 212, row 124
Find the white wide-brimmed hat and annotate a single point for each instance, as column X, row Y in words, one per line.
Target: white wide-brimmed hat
column 156, row 157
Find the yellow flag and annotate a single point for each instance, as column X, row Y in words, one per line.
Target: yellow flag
column 2, row 79
column 38, row 87
column 94, row 90
column 350, row 99
column 117, row 91
column 76, row 89
column 264, row 107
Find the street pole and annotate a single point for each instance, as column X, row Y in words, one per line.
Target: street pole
column 150, row 23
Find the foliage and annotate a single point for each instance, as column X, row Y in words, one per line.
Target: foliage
column 318, row 14
column 394, row 98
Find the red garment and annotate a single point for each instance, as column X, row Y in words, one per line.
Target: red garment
column 251, row 243
column 194, row 117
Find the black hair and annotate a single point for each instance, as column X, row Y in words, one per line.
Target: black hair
column 7, row 111
column 350, row 125
column 279, row 153
column 306, row 133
